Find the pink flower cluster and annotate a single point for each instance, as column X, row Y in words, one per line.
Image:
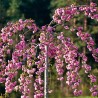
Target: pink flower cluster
column 38, row 84
column 20, row 57
column 41, row 62
column 70, row 53
column 85, row 66
column 94, row 90
column 86, row 37
column 46, row 38
column 59, row 62
column 66, row 14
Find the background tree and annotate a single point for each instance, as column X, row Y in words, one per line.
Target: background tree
column 13, row 12
column 4, row 4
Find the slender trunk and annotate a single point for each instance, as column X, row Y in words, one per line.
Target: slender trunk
column 46, row 74
column 31, row 93
column 85, row 23
column 74, row 21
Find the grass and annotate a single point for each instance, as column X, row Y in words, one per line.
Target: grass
column 82, row 97
column 70, row 97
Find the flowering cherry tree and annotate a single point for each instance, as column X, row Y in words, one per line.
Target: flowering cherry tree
column 26, row 49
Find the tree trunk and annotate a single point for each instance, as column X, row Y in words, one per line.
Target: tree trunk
column 31, row 87
column 85, row 23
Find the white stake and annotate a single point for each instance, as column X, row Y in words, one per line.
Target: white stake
column 46, row 73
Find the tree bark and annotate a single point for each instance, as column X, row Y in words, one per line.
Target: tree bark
column 85, row 23
column 31, row 87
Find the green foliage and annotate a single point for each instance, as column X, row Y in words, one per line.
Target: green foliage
column 13, row 12
column 3, row 15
